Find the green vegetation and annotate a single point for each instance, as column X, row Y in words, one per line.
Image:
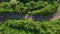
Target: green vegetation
column 5, row 8
column 30, row 7
column 12, row 26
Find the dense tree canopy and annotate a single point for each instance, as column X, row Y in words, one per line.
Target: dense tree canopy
column 30, row 7
column 12, row 26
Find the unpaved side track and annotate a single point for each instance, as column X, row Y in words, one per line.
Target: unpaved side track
column 57, row 15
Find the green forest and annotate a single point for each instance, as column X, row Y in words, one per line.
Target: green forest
column 30, row 8
column 22, row 26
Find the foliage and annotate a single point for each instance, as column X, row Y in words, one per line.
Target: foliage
column 5, row 8
column 21, row 26
column 30, row 7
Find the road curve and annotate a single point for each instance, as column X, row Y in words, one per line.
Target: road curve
column 57, row 14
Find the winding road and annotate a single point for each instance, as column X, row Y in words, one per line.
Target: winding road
column 18, row 16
